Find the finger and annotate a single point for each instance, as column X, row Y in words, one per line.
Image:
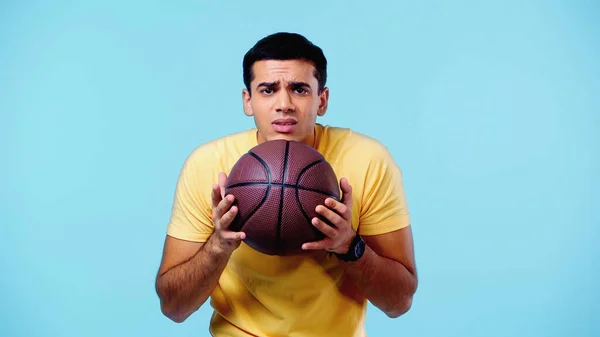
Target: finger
column 233, row 236
column 346, row 192
column 228, row 217
column 337, row 206
column 222, row 207
column 222, row 182
column 321, row 245
column 324, row 228
column 330, row 215
column 216, row 195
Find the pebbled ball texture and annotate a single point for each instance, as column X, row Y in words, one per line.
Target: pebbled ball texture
column 277, row 186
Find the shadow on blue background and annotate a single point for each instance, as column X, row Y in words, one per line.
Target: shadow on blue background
column 491, row 110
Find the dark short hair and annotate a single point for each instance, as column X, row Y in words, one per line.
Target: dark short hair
column 286, row 46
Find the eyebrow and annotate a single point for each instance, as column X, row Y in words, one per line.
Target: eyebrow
column 267, row 84
column 299, row 85
column 294, row 84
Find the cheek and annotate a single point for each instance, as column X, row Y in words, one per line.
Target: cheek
column 262, row 117
column 260, row 109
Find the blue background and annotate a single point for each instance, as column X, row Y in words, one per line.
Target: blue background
column 490, row 108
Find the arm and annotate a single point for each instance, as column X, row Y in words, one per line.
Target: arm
column 187, row 276
column 386, row 273
column 189, row 271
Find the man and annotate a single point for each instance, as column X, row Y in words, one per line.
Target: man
column 366, row 256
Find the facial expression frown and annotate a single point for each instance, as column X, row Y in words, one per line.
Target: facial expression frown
column 285, row 100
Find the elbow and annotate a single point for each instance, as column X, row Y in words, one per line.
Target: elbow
column 170, row 308
column 403, row 305
column 177, row 318
column 400, row 308
column 173, row 314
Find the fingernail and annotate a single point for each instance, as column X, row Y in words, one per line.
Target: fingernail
column 315, row 221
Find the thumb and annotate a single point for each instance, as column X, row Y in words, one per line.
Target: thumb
column 222, row 183
column 346, row 191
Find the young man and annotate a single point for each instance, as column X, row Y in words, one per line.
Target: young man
column 366, row 256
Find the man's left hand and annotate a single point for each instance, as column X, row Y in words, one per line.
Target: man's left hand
column 339, row 234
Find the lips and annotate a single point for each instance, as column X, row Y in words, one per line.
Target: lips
column 284, row 125
column 285, row 121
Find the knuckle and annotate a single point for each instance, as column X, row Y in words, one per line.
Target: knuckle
column 221, row 208
column 334, row 212
column 226, row 219
column 226, row 200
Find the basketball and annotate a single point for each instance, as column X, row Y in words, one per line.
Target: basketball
column 277, row 185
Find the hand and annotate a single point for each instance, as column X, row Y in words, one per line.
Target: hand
column 223, row 214
column 339, row 236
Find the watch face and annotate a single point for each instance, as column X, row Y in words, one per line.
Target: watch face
column 359, row 249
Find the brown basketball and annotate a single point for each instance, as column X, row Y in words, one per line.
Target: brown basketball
column 277, row 186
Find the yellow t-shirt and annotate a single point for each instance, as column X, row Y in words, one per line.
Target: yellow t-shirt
column 308, row 295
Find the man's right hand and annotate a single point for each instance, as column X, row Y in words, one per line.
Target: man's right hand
column 189, row 271
column 223, row 213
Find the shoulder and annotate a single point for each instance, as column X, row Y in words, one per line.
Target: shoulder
column 220, row 151
column 205, row 161
column 354, row 146
column 376, row 179
column 361, row 158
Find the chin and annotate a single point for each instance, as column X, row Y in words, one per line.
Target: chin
column 285, row 136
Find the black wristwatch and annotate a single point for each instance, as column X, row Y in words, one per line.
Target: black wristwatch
column 356, row 251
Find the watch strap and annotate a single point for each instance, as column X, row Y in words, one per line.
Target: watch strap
column 355, row 251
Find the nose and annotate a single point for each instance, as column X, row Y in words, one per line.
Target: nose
column 284, row 102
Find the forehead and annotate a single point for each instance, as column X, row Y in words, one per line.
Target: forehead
column 289, row 70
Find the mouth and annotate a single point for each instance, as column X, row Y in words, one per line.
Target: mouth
column 285, row 121
column 284, row 125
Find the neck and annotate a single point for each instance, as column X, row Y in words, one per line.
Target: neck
column 309, row 140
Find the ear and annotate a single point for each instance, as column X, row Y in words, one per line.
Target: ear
column 247, row 101
column 323, row 101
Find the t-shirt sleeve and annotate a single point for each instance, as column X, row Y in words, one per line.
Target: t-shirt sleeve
column 384, row 206
column 191, row 218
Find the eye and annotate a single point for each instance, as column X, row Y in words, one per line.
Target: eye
column 267, row 91
column 300, row 90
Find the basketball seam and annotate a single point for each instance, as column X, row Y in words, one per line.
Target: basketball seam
column 283, row 186
column 269, row 179
column 298, row 189
column 284, row 176
column 303, row 188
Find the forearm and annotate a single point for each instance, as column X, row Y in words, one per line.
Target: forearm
column 386, row 283
column 185, row 287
